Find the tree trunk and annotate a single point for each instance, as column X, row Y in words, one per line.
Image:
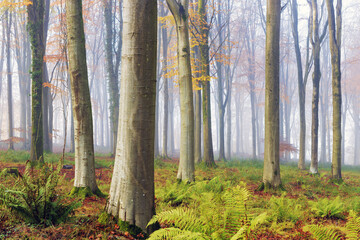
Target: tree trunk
column 186, row 165
column 302, row 80
column 35, row 28
column 166, row 88
column 197, row 118
column 316, row 41
column 205, row 73
column 2, row 56
column 8, row 19
column 335, row 49
column 271, row 176
column 81, row 103
column 356, row 119
column 46, row 90
column 132, row 187
column 110, row 70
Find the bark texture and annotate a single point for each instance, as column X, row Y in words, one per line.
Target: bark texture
column 8, row 19
column 111, row 70
column 132, row 185
column 181, row 15
column 80, row 97
column 271, row 176
column 205, row 72
column 35, row 27
column 316, row 40
column 302, row 79
column 335, row 49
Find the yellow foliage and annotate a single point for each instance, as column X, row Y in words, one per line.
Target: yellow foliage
column 14, row 4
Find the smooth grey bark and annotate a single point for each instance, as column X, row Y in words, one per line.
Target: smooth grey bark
column 2, row 56
column 335, row 30
column 179, row 10
column 316, row 40
column 157, row 115
column 112, row 67
column 8, row 19
column 271, row 174
column 81, row 102
column 205, row 74
column 356, row 119
column 250, row 46
column 165, row 45
column 302, row 78
column 324, row 102
column 220, row 88
column 132, row 185
column 197, row 132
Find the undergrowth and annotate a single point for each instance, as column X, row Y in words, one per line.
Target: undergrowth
column 214, row 207
column 33, row 196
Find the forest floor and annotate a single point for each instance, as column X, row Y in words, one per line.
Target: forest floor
column 292, row 214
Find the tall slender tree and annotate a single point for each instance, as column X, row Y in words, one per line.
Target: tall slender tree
column 205, row 72
column 303, row 76
column 165, row 44
column 316, row 40
column 132, row 185
column 179, row 9
column 271, row 175
column 8, row 19
column 335, row 29
column 112, row 66
column 85, row 181
column 35, row 27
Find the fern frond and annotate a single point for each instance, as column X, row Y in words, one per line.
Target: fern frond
column 323, row 233
column 183, row 218
column 241, row 233
column 176, row 234
column 235, row 209
column 328, row 208
column 353, row 226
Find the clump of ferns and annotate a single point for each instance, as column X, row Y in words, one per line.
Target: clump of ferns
column 327, row 208
column 34, row 197
column 283, row 209
column 183, row 194
column 216, row 216
column 350, row 231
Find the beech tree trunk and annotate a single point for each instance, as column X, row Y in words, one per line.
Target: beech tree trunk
column 8, row 19
column 205, row 73
column 316, row 40
column 35, row 27
column 132, row 185
column 111, row 70
column 335, row 28
column 271, row 176
column 80, row 96
column 165, row 43
column 179, row 10
column 302, row 80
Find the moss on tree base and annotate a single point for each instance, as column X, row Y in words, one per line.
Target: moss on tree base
column 84, row 192
column 104, row 218
column 266, row 187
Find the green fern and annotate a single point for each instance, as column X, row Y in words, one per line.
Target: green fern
column 177, row 234
column 34, row 198
column 322, row 233
column 235, row 209
column 218, row 214
column 182, row 218
column 326, row 208
column 284, row 209
column 353, row 226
